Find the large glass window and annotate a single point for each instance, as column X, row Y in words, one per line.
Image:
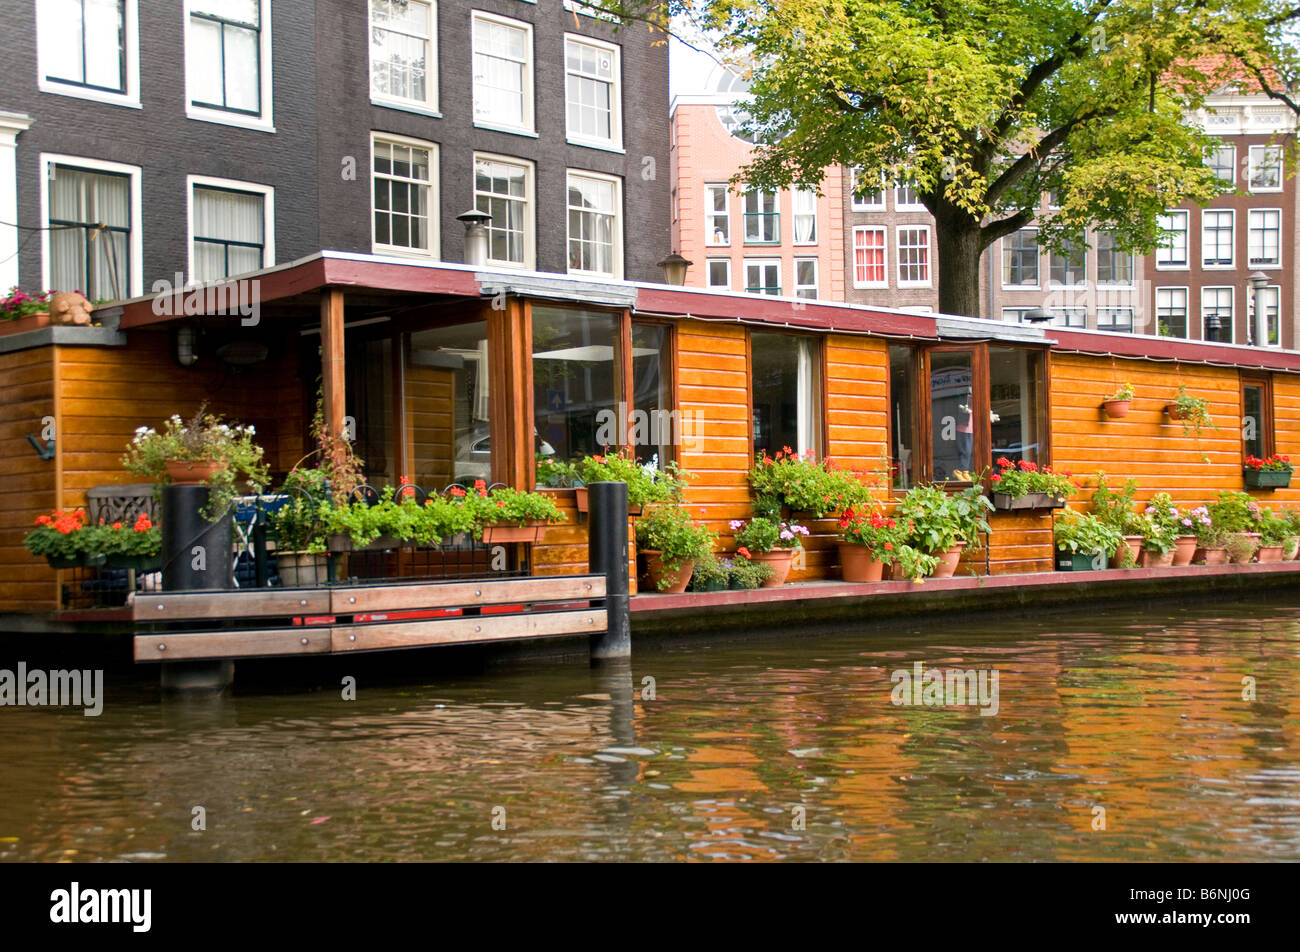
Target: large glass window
column 1222, row 160
column 952, row 408
column 90, row 232
column 504, row 189
column 592, row 92
column 1256, row 417
column 762, row 220
column 1271, row 296
column 503, row 73
column 576, row 381
column 719, row 273
column 224, row 55
column 1172, row 250
column 447, row 404
column 804, row 203
column 717, row 228
column 869, row 243
column 805, row 277
column 786, row 373
column 1020, row 258
column 655, row 427
column 866, row 195
column 905, row 461
column 405, row 196
column 404, row 52
column 1216, row 314
column 1117, row 319
column 1114, row 264
column 1265, row 237
column 595, row 224
column 1016, row 388
column 1216, row 238
column 1265, row 168
column 229, row 231
column 1171, row 312
column 1070, row 265
column 763, row 275
column 914, row 257
column 83, row 43
column 368, row 384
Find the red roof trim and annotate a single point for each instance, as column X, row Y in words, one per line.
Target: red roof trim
column 1163, row 348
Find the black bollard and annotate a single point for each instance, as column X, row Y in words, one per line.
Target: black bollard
column 196, row 555
column 607, row 554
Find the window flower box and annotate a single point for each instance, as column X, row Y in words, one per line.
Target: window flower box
column 1028, row 501
column 1266, row 478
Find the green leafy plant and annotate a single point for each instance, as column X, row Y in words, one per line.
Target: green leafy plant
column 970, row 510
column 746, row 574
column 1116, row 507
column 1235, row 511
column 505, row 506
column 1126, row 392
column 646, row 483
column 670, row 531
column 911, row 563
column 709, row 574
column 18, row 303
column 556, row 473
column 1192, row 412
column 1208, row 535
column 62, row 534
column 1241, row 547
column 933, row 521
column 140, row 538
column 803, row 484
column 1274, row 530
column 1021, row 477
column 1085, row 534
column 762, row 534
column 1273, row 464
column 872, row 529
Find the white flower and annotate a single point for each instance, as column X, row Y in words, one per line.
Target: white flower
column 250, row 431
column 175, row 419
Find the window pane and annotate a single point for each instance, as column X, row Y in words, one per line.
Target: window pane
column 719, row 273
column 1171, row 312
column 654, row 428
column 902, row 387
column 951, row 409
column 1070, row 266
column 203, row 62
column 575, row 377
column 104, row 40
column 1015, row 394
column 1252, row 420
column 447, row 406
column 786, row 382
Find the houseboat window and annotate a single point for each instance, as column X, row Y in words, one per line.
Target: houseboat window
column 576, row 382
column 655, row 428
column 1256, row 417
column 369, row 402
column 902, row 416
column 786, row 374
column 447, row 401
column 952, row 409
column 1015, row 403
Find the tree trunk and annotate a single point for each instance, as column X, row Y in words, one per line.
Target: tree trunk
column 957, row 241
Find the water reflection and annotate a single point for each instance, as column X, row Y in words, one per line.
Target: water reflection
column 785, row 748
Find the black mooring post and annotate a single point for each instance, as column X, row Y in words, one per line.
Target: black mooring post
column 607, row 554
column 196, row 555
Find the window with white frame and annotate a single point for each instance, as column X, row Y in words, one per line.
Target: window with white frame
column 914, row 257
column 595, row 224
column 404, row 53
column 1222, row 160
column 867, row 196
column 1115, row 319
column 503, row 187
column 1216, row 238
column 719, row 273
column 231, row 228
column 1069, row 266
column 1070, row 316
column 763, row 275
column 1171, row 312
column 503, row 73
column 804, row 210
column 89, row 49
column 869, row 243
column 805, row 277
column 907, row 199
column 592, row 94
column 1272, row 297
column 1216, row 314
column 1265, row 168
column 1114, row 264
column 1015, row 315
column 717, row 220
column 762, row 219
column 1020, row 259
column 405, row 196
column 1171, row 252
column 228, row 61
column 91, row 227
column 1264, row 238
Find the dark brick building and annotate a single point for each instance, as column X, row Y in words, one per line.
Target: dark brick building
column 142, row 138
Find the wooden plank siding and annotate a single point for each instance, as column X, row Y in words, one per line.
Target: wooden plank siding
column 30, row 485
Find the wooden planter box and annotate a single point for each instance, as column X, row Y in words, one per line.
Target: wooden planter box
column 1067, row 561
column 580, row 497
column 498, row 534
column 342, row 542
column 1027, row 501
column 1265, row 478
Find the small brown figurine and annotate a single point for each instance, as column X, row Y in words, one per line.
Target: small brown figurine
column 69, row 307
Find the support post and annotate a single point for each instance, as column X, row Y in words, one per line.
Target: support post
column 333, row 381
column 607, row 554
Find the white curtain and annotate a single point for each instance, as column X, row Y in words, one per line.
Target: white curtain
column 805, row 215
column 806, row 388
column 89, row 198
column 222, row 215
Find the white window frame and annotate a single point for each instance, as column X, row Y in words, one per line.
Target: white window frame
column 1082, row 274
column 264, row 122
column 1172, row 214
column 1251, row 165
column 268, row 214
column 816, row 282
column 898, row 256
column 434, row 202
column 529, row 127
column 617, row 251
column 1187, row 309
column 1250, row 315
column 1061, row 316
column 1132, row 318
column 883, row 231
column 615, row 142
column 429, row 105
column 1038, row 262
column 708, row 268
column 1015, row 315
column 901, row 206
column 1232, row 164
column 130, row 95
column 763, row 263
column 710, row 216
column 1250, row 215
column 854, row 205
column 1232, row 244
column 1232, row 310
column 530, row 209
column 135, row 279
column 774, row 214
column 794, row 215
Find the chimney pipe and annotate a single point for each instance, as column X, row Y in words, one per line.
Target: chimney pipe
column 476, row 237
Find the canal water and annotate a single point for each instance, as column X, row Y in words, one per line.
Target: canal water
column 1116, row 737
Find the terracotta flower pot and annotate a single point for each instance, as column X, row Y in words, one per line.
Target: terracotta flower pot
column 859, row 564
column 1269, row 553
column 1215, row 555
column 779, row 561
column 1134, row 544
column 28, row 322
column 1184, row 549
column 655, row 568
column 1156, row 560
column 192, row 472
column 1116, row 408
column 948, row 561
column 1292, row 551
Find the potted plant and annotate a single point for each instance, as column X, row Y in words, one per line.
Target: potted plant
column 1161, row 508
column 396, row 519
column 137, row 547
column 1275, row 538
column 1192, row 412
column 1117, row 404
column 509, row 515
column 1240, row 546
column 1022, row 484
column 1115, row 508
column 20, row 311
column 746, row 575
column 911, row 564
column 203, row 449
column 1083, row 541
column 799, row 483
column 1160, row 528
column 1292, row 517
column 1235, row 511
column 555, row 473
column 646, row 483
column 761, row 539
column 1209, row 538
column 867, row 541
column 65, row 540
column 942, row 525
column 709, row 575
column 1271, row 473
column 671, row 542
